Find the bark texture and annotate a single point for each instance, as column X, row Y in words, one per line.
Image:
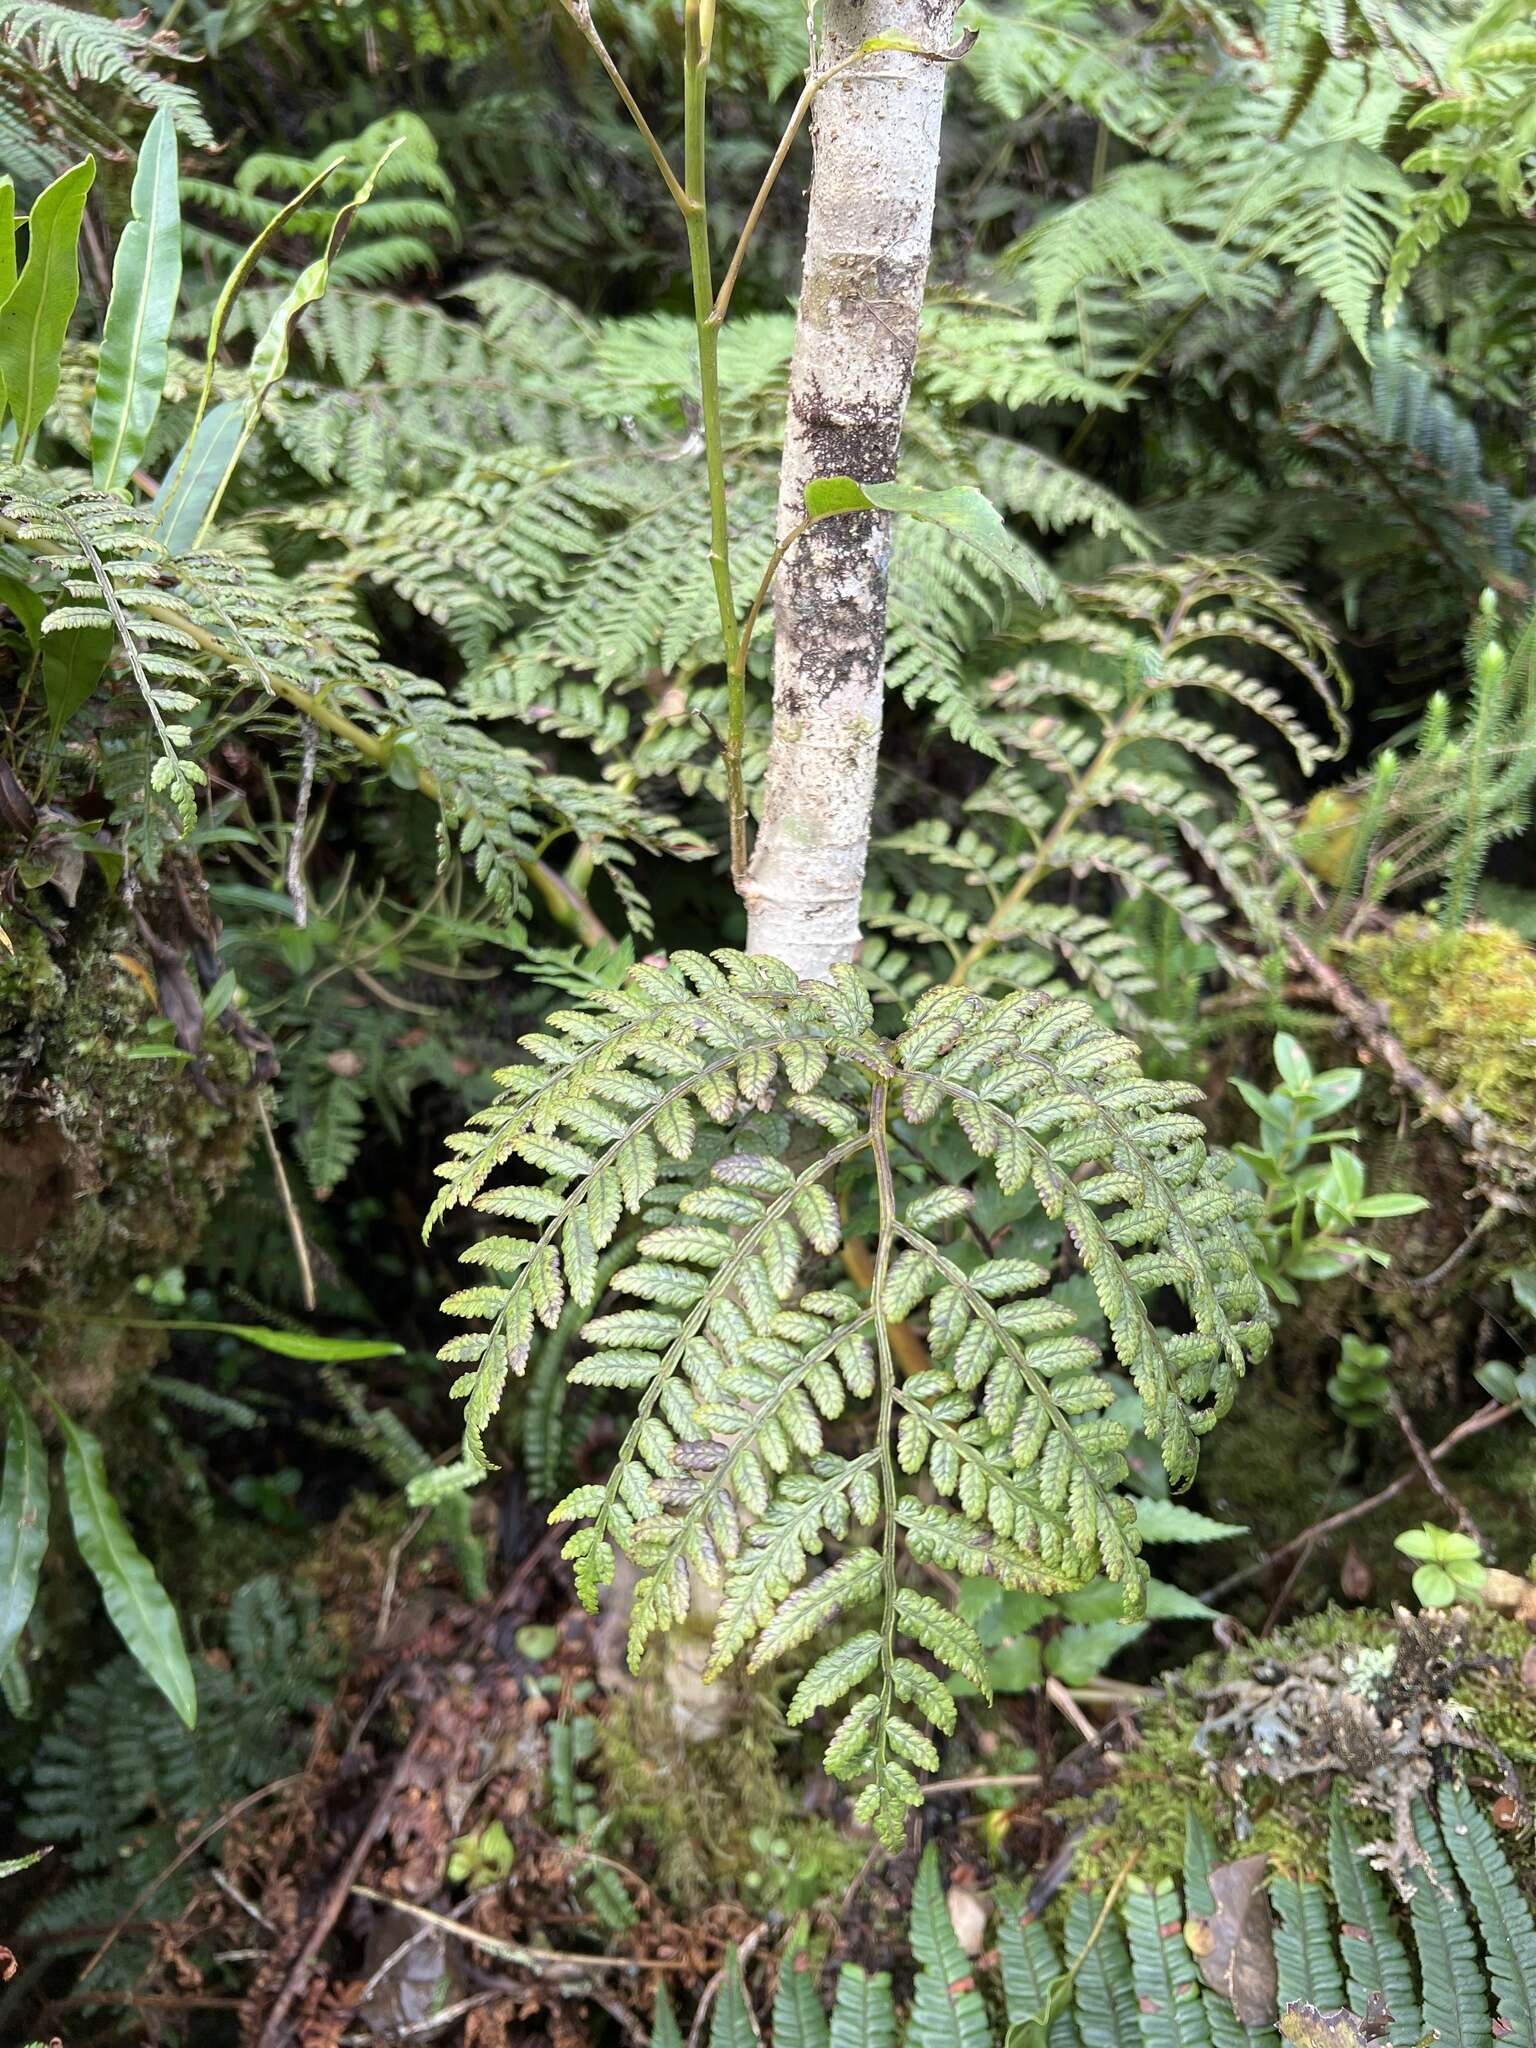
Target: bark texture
column 875, row 133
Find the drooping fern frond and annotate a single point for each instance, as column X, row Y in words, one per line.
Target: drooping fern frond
column 740, row 1353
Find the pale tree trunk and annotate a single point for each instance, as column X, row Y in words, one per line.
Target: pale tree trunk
column 876, row 140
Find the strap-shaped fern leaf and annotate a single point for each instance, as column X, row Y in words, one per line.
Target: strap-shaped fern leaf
column 665, row 2032
column 863, row 2012
column 1455, row 2000
column 1503, row 1915
column 730, row 2024
column 1374, row 1956
column 1305, row 1960
column 947, row 2009
column 1106, row 1989
column 739, row 1357
column 798, row 2020
column 1167, row 1984
column 1030, row 1966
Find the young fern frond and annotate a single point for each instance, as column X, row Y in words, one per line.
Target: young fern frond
column 741, row 1352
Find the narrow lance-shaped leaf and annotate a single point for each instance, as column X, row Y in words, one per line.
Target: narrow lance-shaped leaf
column 146, row 282
column 23, row 1523
column 35, row 317
column 269, row 358
column 135, row 1599
column 203, row 466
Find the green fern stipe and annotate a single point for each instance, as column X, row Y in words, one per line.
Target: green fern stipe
column 744, row 1341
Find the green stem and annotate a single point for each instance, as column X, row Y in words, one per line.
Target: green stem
column 885, row 1183
column 696, row 68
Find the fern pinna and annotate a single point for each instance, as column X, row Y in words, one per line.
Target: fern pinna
column 1128, row 1974
column 773, row 1423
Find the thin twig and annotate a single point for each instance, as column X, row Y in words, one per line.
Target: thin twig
column 1068, row 1708
column 982, row 1780
column 203, row 1835
column 1486, row 1417
column 294, row 875
column 515, row 1951
column 285, row 1197
column 1415, row 1444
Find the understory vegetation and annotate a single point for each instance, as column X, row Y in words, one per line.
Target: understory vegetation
column 768, row 1023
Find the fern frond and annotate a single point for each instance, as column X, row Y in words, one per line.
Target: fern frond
column 726, row 1478
column 1503, row 1916
column 947, row 2009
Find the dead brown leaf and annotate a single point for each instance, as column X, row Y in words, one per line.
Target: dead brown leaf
column 1235, row 1946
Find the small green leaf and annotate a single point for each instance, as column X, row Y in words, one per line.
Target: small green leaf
column 135, row 1599
column 35, row 317
column 960, row 509
column 7, row 239
column 146, row 283
column 23, row 1522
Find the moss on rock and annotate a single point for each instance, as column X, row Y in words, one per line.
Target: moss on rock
column 109, row 1161
column 1463, row 1005
column 1226, row 1737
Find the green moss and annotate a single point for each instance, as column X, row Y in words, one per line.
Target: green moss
column 719, row 1816
column 1463, row 1005
column 109, row 1163
column 1156, row 1783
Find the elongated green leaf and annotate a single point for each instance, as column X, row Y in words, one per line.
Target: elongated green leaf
column 23, row 1522
column 947, row 2008
column 73, row 664
column 960, row 509
column 798, row 2020
column 35, row 317
column 136, row 1601
column 201, row 468
column 1037, row 1995
column 146, row 282
column 10, row 1865
column 303, row 1343
column 1304, row 1954
column 1455, row 2000
column 1374, row 1956
column 1106, row 2012
column 664, row 2029
column 7, row 238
